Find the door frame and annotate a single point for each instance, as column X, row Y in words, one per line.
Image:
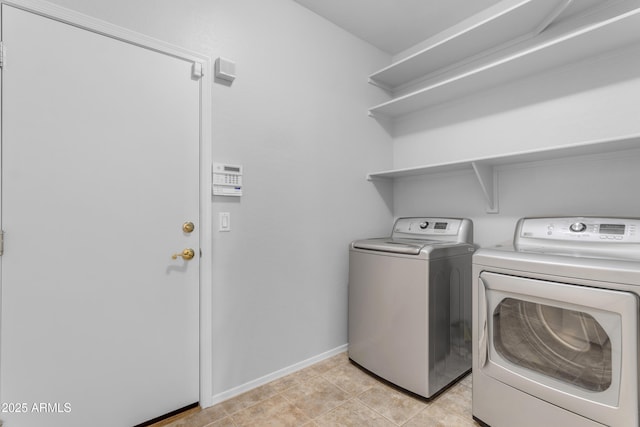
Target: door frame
column 202, row 65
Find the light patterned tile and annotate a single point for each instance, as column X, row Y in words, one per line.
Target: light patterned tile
column 309, row 372
column 439, row 416
column 330, row 363
column 467, row 381
column 457, row 399
column 325, row 392
column 275, row 411
column 350, row 378
column 200, row 418
column 291, row 380
column 353, row 413
column 316, row 396
column 225, row 422
column 249, row 398
column 305, row 374
column 393, row 404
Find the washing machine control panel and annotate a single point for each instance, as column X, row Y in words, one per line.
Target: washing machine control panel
column 424, row 226
column 427, row 228
column 585, row 229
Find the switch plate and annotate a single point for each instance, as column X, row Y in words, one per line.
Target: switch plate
column 224, row 221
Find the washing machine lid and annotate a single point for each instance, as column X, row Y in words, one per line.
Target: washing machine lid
column 396, row 246
column 425, row 236
column 423, row 249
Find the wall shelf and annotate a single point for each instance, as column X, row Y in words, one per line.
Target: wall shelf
column 507, row 22
column 553, row 48
column 485, row 167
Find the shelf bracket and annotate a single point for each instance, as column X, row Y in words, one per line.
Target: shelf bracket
column 488, row 179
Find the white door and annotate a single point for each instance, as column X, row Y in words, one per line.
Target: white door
column 573, row 346
column 100, row 146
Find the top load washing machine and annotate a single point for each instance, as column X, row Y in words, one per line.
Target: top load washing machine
column 555, row 324
column 410, row 303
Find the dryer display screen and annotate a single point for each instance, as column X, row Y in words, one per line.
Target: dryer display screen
column 611, row 228
column 440, row 226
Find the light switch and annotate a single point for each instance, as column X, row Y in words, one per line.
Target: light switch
column 225, row 221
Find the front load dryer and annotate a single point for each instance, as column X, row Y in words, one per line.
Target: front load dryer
column 410, row 303
column 555, row 325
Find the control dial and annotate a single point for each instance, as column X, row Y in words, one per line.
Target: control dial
column 577, row 227
column 424, row 225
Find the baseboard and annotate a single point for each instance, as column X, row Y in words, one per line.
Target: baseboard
column 220, row 397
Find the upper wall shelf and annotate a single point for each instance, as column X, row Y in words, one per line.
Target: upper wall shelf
column 508, row 22
column 553, row 48
column 485, row 171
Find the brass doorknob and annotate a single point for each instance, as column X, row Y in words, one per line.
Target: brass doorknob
column 188, row 227
column 186, row 254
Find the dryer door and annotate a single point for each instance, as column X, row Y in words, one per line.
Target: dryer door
column 561, row 343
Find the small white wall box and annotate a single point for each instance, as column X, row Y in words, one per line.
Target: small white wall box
column 227, row 179
column 225, row 69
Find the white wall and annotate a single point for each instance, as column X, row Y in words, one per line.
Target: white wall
column 596, row 185
column 296, row 119
column 591, row 101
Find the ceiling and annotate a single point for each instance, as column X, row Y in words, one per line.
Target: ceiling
column 395, row 25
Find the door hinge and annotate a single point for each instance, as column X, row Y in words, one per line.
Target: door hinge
column 2, row 54
column 1, row 252
column 196, row 70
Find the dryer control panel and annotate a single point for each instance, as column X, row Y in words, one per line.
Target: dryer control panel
column 581, row 228
column 579, row 235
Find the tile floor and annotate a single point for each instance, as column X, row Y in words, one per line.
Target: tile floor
column 335, row 392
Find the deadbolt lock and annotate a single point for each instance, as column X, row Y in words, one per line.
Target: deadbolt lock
column 188, row 227
column 186, row 254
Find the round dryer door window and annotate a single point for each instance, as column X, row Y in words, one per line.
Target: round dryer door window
column 567, row 345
